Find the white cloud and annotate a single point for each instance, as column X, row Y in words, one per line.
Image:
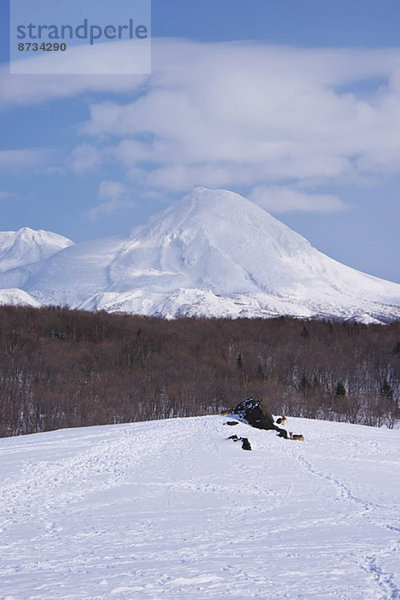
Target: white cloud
column 113, row 196
column 85, row 157
column 34, row 89
column 282, row 199
column 4, row 195
column 237, row 114
column 118, row 58
column 241, row 114
column 17, row 160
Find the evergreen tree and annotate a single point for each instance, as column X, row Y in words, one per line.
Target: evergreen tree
column 387, row 390
column 304, row 382
column 260, row 372
column 396, row 349
column 340, row 389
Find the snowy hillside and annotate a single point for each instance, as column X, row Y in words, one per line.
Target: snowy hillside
column 172, row 509
column 23, row 247
column 17, row 297
column 215, row 254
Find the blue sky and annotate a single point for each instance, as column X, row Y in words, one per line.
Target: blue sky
column 294, row 103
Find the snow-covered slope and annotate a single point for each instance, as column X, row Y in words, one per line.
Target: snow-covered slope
column 172, row 509
column 23, row 247
column 214, row 253
column 17, row 297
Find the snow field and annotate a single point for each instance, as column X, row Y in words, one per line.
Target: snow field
column 172, row 509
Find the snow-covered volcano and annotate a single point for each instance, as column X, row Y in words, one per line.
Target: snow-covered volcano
column 214, row 253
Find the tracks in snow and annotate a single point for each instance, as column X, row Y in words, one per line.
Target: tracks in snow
column 385, row 586
column 63, row 481
column 172, row 509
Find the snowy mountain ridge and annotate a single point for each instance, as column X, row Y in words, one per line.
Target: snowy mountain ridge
column 214, row 254
column 26, row 246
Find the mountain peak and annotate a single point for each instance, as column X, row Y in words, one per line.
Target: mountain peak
column 208, row 195
column 25, row 230
column 218, row 212
column 26, row 246
column 214, row 253
column 220, row 201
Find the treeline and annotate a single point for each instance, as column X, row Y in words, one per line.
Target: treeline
column 68, row 368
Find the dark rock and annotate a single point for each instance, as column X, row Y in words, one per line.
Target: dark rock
column 245, row 444
column 282, row 433
column 231, row 423
column 250, row 412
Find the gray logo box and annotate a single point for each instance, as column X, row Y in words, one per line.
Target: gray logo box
column 80, row 37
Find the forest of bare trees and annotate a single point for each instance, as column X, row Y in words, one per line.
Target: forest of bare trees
column 68, row 368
